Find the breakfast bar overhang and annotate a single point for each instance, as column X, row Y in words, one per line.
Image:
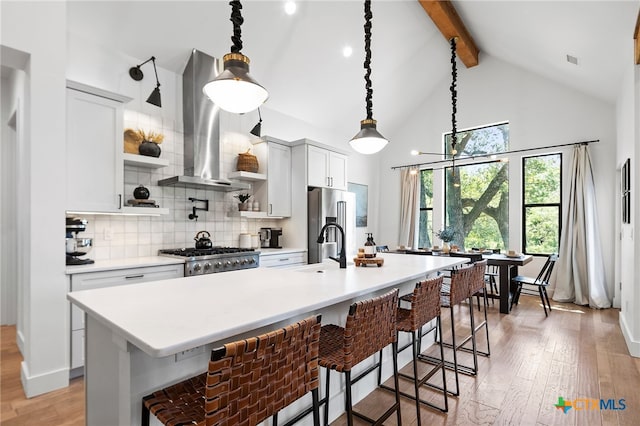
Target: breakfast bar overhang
column 140, row 338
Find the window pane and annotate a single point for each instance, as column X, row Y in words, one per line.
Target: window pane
column 541, row 229
column 426, row 228
column 479, row 141
column 478, row 208
column 542, row 179
column 426, row 189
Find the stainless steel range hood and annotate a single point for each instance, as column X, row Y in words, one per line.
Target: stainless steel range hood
column 202, row 147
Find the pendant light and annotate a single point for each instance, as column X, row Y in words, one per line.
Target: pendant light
column 368, row 140
column 256, row 131
column 234, row 90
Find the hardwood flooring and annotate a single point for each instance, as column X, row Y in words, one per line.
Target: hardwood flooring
column 575, row 353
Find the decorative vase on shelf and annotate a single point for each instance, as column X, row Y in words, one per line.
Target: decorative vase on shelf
column 150, row 149
column 445, row 247
column 243, row 207
column 141, row 193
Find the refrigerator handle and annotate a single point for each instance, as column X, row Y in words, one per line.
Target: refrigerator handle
column 342, row 221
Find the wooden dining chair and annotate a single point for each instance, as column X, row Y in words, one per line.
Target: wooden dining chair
column 541, row 282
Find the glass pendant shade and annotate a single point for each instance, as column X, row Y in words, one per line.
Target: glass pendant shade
column 368, row 140
column 234, row 90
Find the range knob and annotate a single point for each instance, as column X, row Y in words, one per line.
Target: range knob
column 244, row 261
column 207, row 266
column 217, row 265
column 197, row 267
column 227, row 263
column 252, row 261
column 236, row 262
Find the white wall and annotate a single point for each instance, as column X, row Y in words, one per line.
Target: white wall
column 540, row 113
column 38, row 30
column 628, row 127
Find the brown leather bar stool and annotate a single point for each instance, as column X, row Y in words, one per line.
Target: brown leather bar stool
column 370, row 327
column 247, row 382
column 425, row 307
column 458, row 291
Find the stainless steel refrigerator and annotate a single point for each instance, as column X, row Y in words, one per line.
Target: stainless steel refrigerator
column 331, row 206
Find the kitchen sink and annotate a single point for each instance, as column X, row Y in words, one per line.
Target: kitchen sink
column 320, row 268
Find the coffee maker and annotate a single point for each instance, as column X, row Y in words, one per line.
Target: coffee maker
column 270, row 237
column 75, row 246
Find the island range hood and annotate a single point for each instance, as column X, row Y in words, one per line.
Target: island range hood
column 202, row 147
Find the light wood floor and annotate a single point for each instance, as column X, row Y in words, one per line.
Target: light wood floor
column 574, row 353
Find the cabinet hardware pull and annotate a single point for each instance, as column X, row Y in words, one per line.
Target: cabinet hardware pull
column 283, row 260
column 119, row 201
column 270, row 208
column 130, row 277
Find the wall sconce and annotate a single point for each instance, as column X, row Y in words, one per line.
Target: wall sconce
column 137, row 75
column 258, row 127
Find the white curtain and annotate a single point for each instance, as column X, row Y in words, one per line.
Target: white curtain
column 580, row 274
column 410, row 197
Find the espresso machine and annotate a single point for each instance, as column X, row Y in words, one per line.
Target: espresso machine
column 270, row 237
column 76, row 247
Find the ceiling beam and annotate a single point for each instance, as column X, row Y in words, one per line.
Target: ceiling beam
column 636, row 41
column 444, row 15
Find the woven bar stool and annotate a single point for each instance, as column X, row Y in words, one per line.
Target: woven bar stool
column 425, row 307
column 478, row 289
column 247, row 382
column 457, row 292
column 370, row 327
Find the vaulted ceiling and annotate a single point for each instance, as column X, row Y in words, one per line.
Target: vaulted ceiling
column 299, row 57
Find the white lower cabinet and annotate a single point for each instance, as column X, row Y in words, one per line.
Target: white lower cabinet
column 92, row 280
column 283, row 260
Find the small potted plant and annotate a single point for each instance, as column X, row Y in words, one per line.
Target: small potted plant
column 243, row 205
column 150, row 143
column 446, row 234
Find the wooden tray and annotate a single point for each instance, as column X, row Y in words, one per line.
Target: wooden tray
column 364, row 261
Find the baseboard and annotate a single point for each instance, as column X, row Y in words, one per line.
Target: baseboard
column 632, row 345
column 20, row 342
column 43, row 383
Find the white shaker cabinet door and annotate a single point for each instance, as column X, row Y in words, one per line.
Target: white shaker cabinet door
column 279, row 180
column 318, row 167
column 94, row 153
column 338, row 170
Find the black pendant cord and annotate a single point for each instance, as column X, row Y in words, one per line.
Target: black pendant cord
column 454, row 94
column 237, row 20
column 367, row 59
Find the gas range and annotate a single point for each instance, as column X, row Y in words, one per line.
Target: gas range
column 215, row 259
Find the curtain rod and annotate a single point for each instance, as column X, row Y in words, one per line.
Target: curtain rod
column 473, row 157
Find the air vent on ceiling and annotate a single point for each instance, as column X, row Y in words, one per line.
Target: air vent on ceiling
column 572, row 60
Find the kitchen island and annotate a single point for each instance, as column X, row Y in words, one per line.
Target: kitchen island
column 142, row 337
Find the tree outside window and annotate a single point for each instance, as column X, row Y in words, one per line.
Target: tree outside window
column 425, row 224
column 477, row 195
column 542, row 207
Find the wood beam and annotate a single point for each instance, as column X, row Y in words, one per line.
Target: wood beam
column 444, row 15
column 636, row 41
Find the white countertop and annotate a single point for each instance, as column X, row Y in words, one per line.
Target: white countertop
column 284, row 250
column 166, row 317
column 114, row 264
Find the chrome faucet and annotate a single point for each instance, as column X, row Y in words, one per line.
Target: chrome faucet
column 343, row 257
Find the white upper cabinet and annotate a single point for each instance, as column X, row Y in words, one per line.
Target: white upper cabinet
column 94, row 151
column 326, row 168
column 278, row 180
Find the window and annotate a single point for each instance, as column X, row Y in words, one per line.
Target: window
column 477, row 194
column 541, row 203
column 425, row 224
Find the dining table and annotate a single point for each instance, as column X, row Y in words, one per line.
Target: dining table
column 507, row 269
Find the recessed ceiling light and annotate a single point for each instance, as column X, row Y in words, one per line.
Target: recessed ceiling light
column 290, row 7
column 347, row 51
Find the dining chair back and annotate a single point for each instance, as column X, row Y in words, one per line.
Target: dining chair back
column 541, row 282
